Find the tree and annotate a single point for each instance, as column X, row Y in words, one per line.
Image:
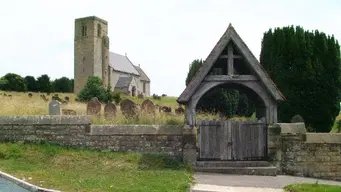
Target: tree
column 94, row 88
column 31, row 83
column 194, row 67
column 44, row 84
column 62, row 85
column 12, row 82
column 305, row 66
column 72, row 84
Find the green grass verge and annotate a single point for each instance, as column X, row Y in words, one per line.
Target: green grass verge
column 86, row 170
column 312, row 188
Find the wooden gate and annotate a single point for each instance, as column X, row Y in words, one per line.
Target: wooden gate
column 232, row 140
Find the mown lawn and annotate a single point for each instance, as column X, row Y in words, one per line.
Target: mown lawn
column 85, row 170
column 312, row 188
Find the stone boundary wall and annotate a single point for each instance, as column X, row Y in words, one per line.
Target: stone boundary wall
column 299, row 153
column 77, row 131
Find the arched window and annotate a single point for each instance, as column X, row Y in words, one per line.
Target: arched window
column 84, row 29
column 99, row 30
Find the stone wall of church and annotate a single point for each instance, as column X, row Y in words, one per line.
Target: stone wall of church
column 145, row 92
column 88, row 49
column 115, row 75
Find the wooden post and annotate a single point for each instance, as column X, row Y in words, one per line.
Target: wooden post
column 230, row 59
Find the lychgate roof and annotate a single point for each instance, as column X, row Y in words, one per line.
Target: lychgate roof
column 230, row 35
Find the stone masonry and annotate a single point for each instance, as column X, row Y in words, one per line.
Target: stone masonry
column 90, row 33
column 77, row 131
column 290, row 148
column 295, row 152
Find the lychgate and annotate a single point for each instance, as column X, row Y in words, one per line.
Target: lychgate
column 232, row 65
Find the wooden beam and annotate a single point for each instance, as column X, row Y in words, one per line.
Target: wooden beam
column 234, row 57
column 227, row 78
column 230, row 59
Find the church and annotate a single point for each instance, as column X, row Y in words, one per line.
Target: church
column 93, row 58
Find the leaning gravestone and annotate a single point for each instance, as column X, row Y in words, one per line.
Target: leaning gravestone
column 148, row 106
column 93, row 107
column 128, row 108
column 110, row 111
column 54, row 108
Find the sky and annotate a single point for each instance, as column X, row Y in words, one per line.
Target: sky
column 164, row 37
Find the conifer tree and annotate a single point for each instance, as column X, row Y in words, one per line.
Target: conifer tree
column 305, row 65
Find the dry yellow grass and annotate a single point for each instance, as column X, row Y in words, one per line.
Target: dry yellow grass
column 21, row 104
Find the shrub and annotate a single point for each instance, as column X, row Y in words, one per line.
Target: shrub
column 338, row 126
column 297, row 119
column 117, row 97
column 94, row 88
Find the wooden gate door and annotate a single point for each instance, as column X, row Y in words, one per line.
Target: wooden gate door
column 232, row 140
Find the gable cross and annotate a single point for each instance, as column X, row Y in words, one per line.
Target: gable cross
column 230, row 56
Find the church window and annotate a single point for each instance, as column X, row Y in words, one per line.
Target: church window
column 99, row 30
column 83, row 69
column 84, row 30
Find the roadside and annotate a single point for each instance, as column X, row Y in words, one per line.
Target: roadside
column 212, row 182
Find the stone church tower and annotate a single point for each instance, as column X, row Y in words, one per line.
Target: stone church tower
column 91, row 51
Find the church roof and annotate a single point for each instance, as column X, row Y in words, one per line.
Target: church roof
column 230, row 35
column 143, row 75
column 121, row 63
column 123, row 82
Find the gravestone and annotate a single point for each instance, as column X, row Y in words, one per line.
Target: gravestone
column 297, row 119
column 165, row 109
column 128, row 108
column 54, row 108
column 110, row 111
column 93, row 107
column 148, row 106
column 179, row 110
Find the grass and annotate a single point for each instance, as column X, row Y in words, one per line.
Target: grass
column 312, row 188
column 85, row 170
column 335, row 126
column 21, row 104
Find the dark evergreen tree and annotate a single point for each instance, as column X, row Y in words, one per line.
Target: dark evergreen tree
column 31, row 83
column 306, row 68
column 62, row 85
column 194, row 67
column 44, row 84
